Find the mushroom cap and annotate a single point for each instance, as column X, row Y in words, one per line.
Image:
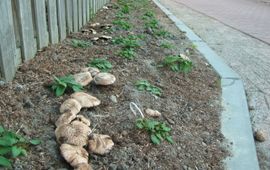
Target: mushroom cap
column 100, row 144
column 92, row 70
column 105, row 37
column 152, row 113
column 76, row 133
column 83, row 119
column 104, row 79
column 74, row 155
column 84, row 166
column 70, row 105
column 85, row 99
column 65, row 118
column 83, row 78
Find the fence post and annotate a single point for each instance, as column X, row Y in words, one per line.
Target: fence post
column 84, row 12
column 69, row 16
column 7, row 41
column 87, row 10
column 61, row 14
column 52, row 19
column 41, row 23
column 80, row 13
column 75, row 16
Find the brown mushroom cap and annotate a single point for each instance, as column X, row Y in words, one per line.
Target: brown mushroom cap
column 70, row 105
column 104, row 79
column 84, row 166
column 65, row 118
column 85, row 99
column 92, row 70
column 152, row 113
column 83, row 119
column 74, row 155
column 83, row 78
column 76, row 133
column 100, row 144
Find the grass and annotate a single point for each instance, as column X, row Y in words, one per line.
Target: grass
column 144, row 85
column 122, row 24
column 101, row 63
column 127, row 53
column 166, row 45
column 80, row 43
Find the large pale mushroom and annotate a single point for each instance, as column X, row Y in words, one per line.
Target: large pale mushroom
column 83, row 119
column 92, row 70
column 85, row 99
column 84, row 166
column 83, row 78
column 70, row 105
column 100, row 144
column 152, row 113
column 76, row 156
column 76, row 133
column 65, row 118
column 104, row 79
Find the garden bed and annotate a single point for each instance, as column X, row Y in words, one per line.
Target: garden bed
column 189, row 102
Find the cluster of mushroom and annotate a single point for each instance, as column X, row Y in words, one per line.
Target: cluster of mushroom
column 73, row 131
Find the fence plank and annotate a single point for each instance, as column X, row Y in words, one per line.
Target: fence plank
column 28, row 41
column 80, row 13
column 83, row 12
column 69, row 16
column 7, row 41
column 75, row 16
column 61, row 14
column 87, row 10
column 52, row 19
column 41, row 23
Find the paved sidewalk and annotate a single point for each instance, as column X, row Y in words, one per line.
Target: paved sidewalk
column 249, row 57
column 249, row 16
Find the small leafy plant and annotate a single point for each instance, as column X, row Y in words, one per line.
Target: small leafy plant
column 61, row 84
column 144, row 85
column 148, row 15
column 158, row 131
column 101, row 63
column 178, row 63
column 161, row 33
column 80, row 43
column 122, row 24
column 153, row 24
column 166, row 45
column 127, row 42
column 127, row 53
column 13, row 145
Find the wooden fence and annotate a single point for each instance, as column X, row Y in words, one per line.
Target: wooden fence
column 29, row 25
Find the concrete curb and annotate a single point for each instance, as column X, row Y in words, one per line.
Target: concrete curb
column 235, row 119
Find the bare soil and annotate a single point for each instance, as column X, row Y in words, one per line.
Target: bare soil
column 190, row 103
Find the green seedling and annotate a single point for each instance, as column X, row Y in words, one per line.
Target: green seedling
column 101, row 63
column 166, row 45
column 144, row 85
column 127, row 53
column 61, row 84
column 162, row 33
column 194, row 46
column 80, row 43
column 122, row 24
column 158, row 131
column 127, row 42
column 125, row 9
column 178, row 63
column 12, row 146
column 148, row 15
column 153, row 24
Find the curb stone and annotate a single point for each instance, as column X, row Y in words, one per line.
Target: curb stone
column 235, row 119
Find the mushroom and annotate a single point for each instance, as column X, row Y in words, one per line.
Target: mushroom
column 76, row 156
column 152, row 113
column 75, row 133
column 105, row 37
column 93, row 31
column 95, row 38
column 95, row 24
column 83, row 119
column 83, row 78
column 85, row 99
column 84, row 166
column 106, row 26
column 93, row 71
column 183, row 56
column 104, row 79
column 65, row 118
column 70, row 105
column 100, row 144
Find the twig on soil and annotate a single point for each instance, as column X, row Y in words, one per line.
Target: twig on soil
column 131, row 105
column 19, row 129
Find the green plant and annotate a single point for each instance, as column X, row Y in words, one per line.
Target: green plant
column 127, row 42
column 127, row 53
column 125, row 9
column 101, row 63
column 61, row 84
column 158, row 131
column 194, row 46
column 148, row 15
column 166, row 45
column 122, row 24
column 13, row 145
column 178, row 63
column 153, row 24
column 80, row 43
column 161, row 33
column 143, row 85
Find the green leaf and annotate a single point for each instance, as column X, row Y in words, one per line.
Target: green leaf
column 77, row 88
column 159, row 136
column 155, row 139
column 4, row 150
column 16, row 151
column 169, row 139
column 35, row 141
column 2, row 129
column 7, row 141
column 5, row 162
column 60, row 91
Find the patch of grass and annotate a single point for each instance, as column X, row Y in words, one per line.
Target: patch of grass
column 158, row 131
column 162, row 33
column 12, row 146
column 101, row 63
column 178, row 63
column 144, row 85
column 122, row 24
column 125, row 9
column 127, row 53
column 166, row 45
column 127, row 42
column 148, row 15
column 80, row 43
column 61, row 84
column 153, row 24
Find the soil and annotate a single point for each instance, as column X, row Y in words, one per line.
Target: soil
column 190, row 103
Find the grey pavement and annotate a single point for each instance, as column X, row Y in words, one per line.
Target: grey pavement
column 249, row 57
